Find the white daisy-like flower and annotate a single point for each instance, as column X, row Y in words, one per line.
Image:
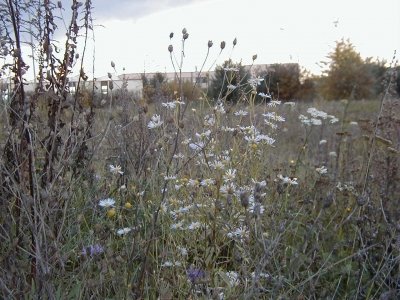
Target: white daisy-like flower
column 233, row 278
column 219, row 108
column 229, row 175
column 273, row 116
column 227, row 129
column 274, row 103
column 316, row 122
column 109, row 202
column 333, row 154
column 333, row 120
column 315, row 113
column 270, row 124
column 170, row 105
column 322, row 170
column 116, row 169
column 231, row 87
column 193, row 182
column 228, row 189
column 241, row 113
column 231, row 69
column 204, row 134
column 167, row 264
column 171, row 264
column 155, row 122
column 265, row 138
column 264, row 96
column 168, row 178
column 217, row 165
column 194, row 226
column 260, row 275
column 288, row 180
column 209, row 120
column 290, row 103
column 255, row 81
column 123, row 231
column 256, row 208
column 179, row 156
column 197, row 146
column 183, row 251
column 353, row 123
column 186, row 141
column 178, row 225
column 207, row 182
column 322, row 142
column 238, row 233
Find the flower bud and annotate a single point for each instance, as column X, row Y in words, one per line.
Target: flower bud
column 184, row 31
column 112, row 64
column 109, row 75
column 222, row 45
column 170, row 48
column 234, row 42
column 244, row 199
column 171, row 35
column 111, row 85
column 185, row 36
column 111, row 213
column 210, row 43
column 254, row 57
column 59, row 4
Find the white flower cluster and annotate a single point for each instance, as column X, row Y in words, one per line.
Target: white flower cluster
column 172, row 104
column 316, row 117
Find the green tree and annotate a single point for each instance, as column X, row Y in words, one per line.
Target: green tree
column 282, row 81
column 377, row 69
column 308, row 89
column 228, row 74
column 347, row 75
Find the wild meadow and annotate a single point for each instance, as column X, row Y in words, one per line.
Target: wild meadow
column 183, row 196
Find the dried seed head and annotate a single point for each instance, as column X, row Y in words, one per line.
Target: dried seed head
column 109, row 75
column 184, row 31
column 222, row 45
column 170, row 48
column 112, row 64
column 171, row 35
column 244, row 199
column 111, row 85
column 210, row 43
column 229, row 200
column 363, row 199
column 234, row 42
column 258, row 188
column 328, row 200
column 185, row 36
column 59, row 4
column 254, row 57
column 76, row 55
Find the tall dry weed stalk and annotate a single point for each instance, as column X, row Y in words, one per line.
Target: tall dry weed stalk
column 39, row 163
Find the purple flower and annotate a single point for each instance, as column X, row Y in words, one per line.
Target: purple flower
column 92, row 250
column 194, row 274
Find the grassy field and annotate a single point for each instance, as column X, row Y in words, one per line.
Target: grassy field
column 205, row 200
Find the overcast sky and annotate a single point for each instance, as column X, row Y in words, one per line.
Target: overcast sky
column 135, row 33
